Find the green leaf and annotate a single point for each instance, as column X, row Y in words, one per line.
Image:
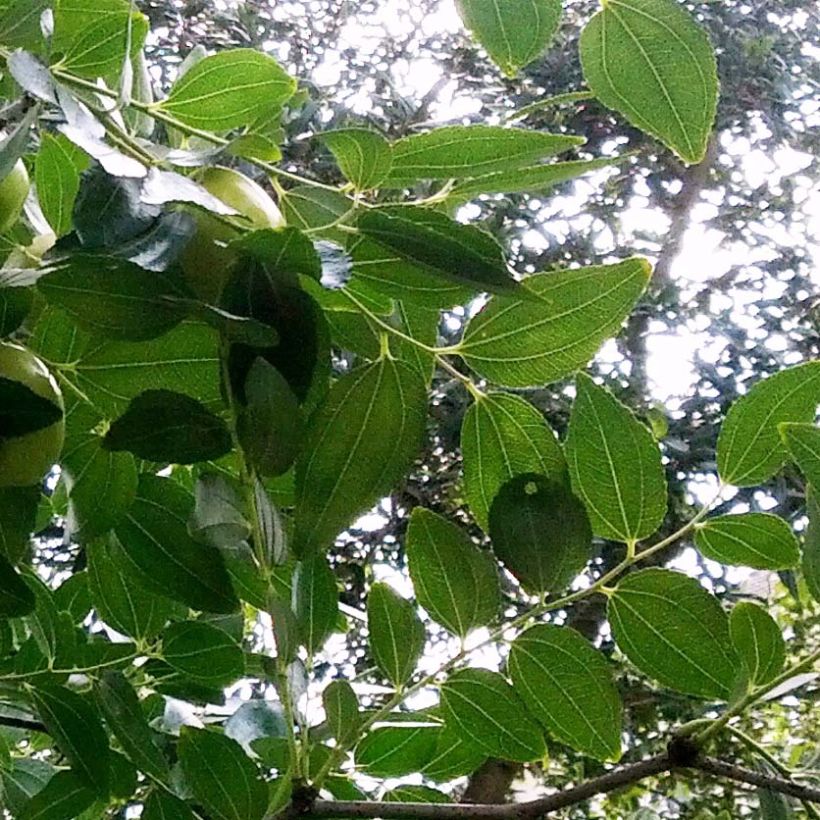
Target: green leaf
column 101, row 486
column 199, row 650
column 440, row 246
column 471, row 151
column 540, row 532
column 568, row 686
column 315, row 601
column 758, row 642
column 18, row 516
column 123, row 604
column 168, row 427
column 114, row 298
column 393, row 751
column 57, row 177
column 185, row 360
column 364, row 157
column 359, row 442
column 341, row 711
column 316, row 209
column 758, row 540
column 650, row 61
column 503, row 436
column 64, row 797
column 614, row 465
column 285, row 251
column 20, row 23
column 124, row 715
column 155, row 537
column 228, row 90
column 810, row 564
column 76, row 729
column 161, row 805
column 15, row 306
column 676, row 632
column 803, row 443
column 73, row 597
column 749, row 448
column 514, row 32
column 220, row 514
column 270, row 424
column 454, row 757
column 534, row 180
column 222, row 777
column 396, row 633
column 482, row 707
column 16, row 598
column 558, row 328
column 26, row 777
column 455, row 581
column 100, row 49
column 415, row 794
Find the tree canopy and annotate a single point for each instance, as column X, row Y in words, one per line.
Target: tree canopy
column 408, row 412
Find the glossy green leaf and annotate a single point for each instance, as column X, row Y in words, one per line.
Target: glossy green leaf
column 541, row 533
column 803, row 444
column 364, row 156
column 114, row 298
column 155, row 537
column 315, row 601
column 64, row 797
column 57, row 177
column 20, row 23
column 16, row 598
column 270, row 424
column 228, row 90
column 123, row 604
column 396, row 633
column 185, row 360
column 161, row 805
column 18, row 514
column 649, row 60
column 358, row 444
column 168, row 427
column 341, row 711
column 614, row 465
column 393, row 751
column 453, row 757
column 470, row 151
column 810, row 564
column 534, row 180
column 503, row 436
column 758, row 642
column 440, row 246
column 199, row 650
column 749, row 447
column 306, row 207
column 101, row 486
column 222, row 777
column 76, row 729
column 455, row 581
column 514, row 32
column 758, row 540
column 124, row 715
column 675, row 631
column 568, row 686
column 558, row 329
column 484, row 709
column 387, row 271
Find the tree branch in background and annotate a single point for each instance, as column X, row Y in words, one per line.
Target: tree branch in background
column 763, row 781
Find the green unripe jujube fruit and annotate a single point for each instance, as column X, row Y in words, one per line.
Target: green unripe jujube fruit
column 14, row 189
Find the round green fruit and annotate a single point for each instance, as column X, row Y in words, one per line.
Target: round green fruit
column 206, row 262
column 14, row 189
column 24, row 460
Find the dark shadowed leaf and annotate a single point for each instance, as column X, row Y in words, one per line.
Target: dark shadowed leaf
column 568, row 686
column 23, row 411
column 676, row 632
column 64, row 797
column 540, row 532
column 484, row 709
column 315, row 601
column 204, row 652
column 455, row 581
column 18, row 514
column 811, row 544
column 396, row 633
column 161, row 805
column 16, row 598
column 169, row 427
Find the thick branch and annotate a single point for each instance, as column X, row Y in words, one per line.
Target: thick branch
column 763, row 781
